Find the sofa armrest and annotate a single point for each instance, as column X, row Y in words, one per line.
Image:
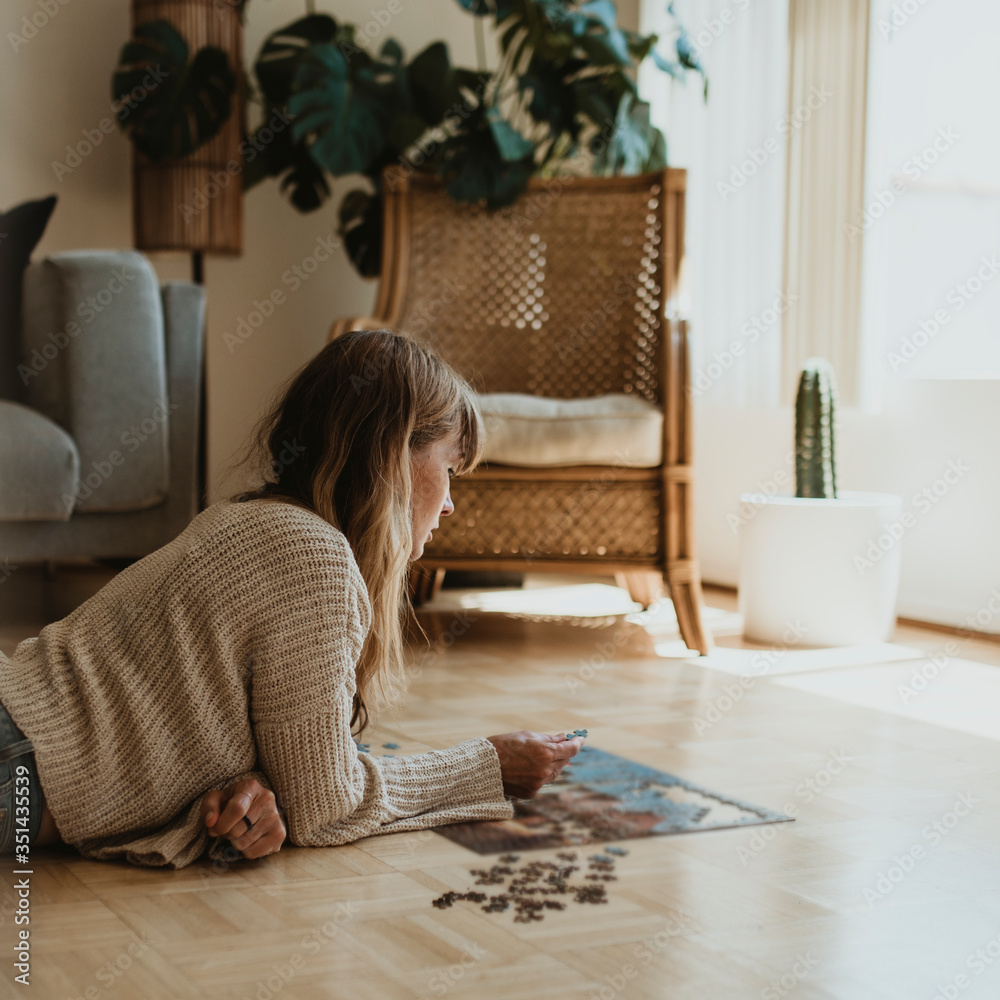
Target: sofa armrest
column 184, row 325
column 94, row 362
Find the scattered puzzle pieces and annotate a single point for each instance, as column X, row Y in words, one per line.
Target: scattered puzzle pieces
column 536, row 878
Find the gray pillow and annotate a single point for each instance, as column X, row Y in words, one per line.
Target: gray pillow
column 20, row 230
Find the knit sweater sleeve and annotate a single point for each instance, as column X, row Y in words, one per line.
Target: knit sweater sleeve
column 311, row 617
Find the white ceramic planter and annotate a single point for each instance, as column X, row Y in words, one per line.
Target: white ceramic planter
column 819, row 572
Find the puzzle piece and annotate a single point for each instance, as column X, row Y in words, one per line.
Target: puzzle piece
column 391, row 746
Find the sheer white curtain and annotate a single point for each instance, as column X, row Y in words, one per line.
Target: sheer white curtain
column 734, row 149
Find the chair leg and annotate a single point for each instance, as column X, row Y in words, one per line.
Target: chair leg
column 685, row 591
column 425, row 583
column 645, row 587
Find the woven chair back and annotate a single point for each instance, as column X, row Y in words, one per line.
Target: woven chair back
column 561, row 294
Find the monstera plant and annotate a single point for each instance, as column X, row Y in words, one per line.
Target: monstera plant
column 563, row 91
column 168, row 103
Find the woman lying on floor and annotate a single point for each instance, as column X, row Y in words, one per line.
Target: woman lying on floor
column 240, row 656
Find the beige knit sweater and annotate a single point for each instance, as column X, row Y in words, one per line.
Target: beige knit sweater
column 228, row 653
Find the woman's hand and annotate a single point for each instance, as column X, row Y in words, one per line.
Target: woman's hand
column 529, row 760
column 223, row 811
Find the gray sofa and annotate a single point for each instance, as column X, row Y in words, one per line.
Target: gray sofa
column 99, row 430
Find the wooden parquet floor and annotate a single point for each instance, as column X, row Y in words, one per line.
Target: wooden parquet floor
column 885, row 888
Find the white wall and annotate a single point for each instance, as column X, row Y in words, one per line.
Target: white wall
column 951, row 554
column 58, row 84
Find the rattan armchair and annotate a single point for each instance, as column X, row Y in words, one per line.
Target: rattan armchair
column 571, row 292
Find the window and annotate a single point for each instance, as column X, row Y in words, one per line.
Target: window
column 931, row 218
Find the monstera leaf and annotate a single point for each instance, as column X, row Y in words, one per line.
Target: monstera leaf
column 475, row 170
column 439, row 88
column 171, row 106
column 279, row 56
column 481, row 8
column 345, row 122
column 633, row 146
column 361, row 231
column 300, row 178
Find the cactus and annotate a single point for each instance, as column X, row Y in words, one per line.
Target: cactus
column 815, row 405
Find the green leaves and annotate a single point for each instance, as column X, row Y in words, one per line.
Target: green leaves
column 439, row 89
column 481, row 8
column 169, row 105
column 511, row 145
column 346, row 122
column 279, row 56
column 361, row 230
column 635, row 146
column 566, row 72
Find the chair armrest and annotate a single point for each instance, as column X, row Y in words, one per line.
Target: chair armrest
column 92, row 343
column 350, row 323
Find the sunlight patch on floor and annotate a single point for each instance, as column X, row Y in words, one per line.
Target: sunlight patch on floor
column 957, row 694
column 586, row 600
column 774, row 662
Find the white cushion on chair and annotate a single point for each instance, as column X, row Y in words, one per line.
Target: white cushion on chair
column 617, row 429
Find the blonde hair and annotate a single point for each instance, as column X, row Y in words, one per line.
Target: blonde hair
column 337, row 441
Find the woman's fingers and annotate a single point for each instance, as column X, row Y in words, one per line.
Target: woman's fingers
column 564, row 749
column 226, row 812
column 529, row 760
column 211, row 806
column 238, row 804
column 265, row 837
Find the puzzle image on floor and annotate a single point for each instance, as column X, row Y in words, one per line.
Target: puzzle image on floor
column 604, row 797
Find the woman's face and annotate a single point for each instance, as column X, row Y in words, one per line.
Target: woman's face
column 430, row 470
